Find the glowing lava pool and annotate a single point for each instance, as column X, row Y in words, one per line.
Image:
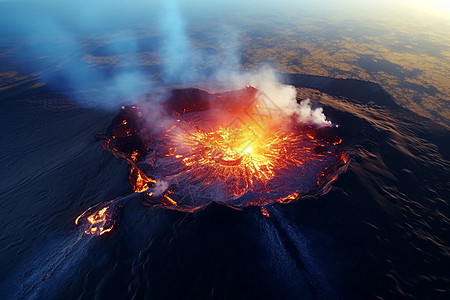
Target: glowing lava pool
column 236, row 148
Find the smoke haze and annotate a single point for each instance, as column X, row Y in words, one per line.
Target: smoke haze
column 65, row 45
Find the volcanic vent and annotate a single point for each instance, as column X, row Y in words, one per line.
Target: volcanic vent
column 236, row 148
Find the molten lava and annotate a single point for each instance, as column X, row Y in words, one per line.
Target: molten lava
column 244, row 158
column 233, row 147
column 139, row 181
column 236, row 148
column 99, row 221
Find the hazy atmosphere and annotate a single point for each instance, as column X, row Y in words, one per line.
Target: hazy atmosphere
column 402, row 45
column 248, row 149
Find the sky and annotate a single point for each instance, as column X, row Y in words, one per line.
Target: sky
column 43, row 30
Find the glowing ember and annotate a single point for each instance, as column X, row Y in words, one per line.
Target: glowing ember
column 99, row 222
column 139, row 180
column 265, row 212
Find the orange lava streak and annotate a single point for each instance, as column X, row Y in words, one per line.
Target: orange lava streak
column 173, row 202
column 290, row 197
column 139, row 180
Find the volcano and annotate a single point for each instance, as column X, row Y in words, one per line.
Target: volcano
column 236, row 148
column 378, row 229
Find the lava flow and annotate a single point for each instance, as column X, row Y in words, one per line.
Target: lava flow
column 236, row 148
column 99, row 221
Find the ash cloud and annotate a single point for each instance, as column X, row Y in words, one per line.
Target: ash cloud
column 59, row 41
column 52, row 40
column 186, row 63
column 176, row 49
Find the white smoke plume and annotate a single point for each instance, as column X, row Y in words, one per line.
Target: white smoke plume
column 284, row 97
column 160, row 188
